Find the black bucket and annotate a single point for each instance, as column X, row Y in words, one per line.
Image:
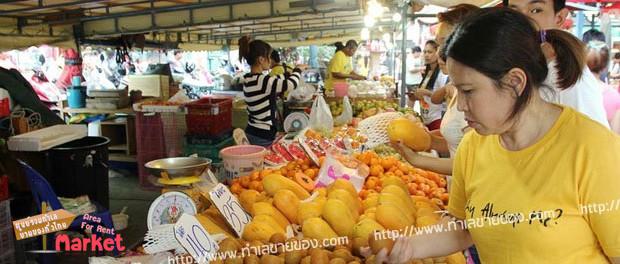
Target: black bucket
column 80, row 167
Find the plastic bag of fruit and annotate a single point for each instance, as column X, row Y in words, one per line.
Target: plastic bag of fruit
column 347, row 113
column 339, row 166
column 321, row 117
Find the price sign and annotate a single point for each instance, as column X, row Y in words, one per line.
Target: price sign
column 195, row 239
column 230, row 207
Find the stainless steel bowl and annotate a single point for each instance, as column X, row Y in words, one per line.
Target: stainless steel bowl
column 178, row 167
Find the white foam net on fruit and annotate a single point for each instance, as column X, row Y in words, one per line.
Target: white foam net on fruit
column 375, row 128
column 160, row 239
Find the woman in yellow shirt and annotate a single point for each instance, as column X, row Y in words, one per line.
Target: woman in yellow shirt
column 277, row 67
column 340, row 68
column 535, row 182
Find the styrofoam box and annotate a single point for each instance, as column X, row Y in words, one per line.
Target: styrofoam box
column 47, row 138
column 150, row 85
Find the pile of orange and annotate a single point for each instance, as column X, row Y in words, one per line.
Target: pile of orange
column 300, row 171
column 419, row 182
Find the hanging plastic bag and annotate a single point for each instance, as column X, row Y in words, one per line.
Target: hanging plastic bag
column 347, row 113
column 321, row 119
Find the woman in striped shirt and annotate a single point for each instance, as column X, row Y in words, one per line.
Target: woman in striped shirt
column 261, row 90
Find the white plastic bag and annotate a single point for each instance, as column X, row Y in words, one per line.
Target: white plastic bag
column 347, row 113
column 303, row 92
column 321, row 118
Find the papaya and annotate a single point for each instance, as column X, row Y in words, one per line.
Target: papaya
column 272, row 183
column 248, row 197
column 288, row 203
column 263, row 208
column 370, row 202
column 269, row 220
column 410, row 133
column 401, row 194
column 212, row 227
column 456, row 258
column 308, row 210
column 352, row 202
column 391, row 217
column 343, row 185
column 365, row 227
column 394, row 180
column 339, row 217
column 388, row 198
column 317, row 228
column 258, row 230
column 304, row 181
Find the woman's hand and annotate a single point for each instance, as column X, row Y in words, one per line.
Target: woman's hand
column 406, row 152
column 421, row 93
column 401, row 253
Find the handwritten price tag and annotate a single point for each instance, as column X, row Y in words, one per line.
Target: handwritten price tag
column 230, row 207
column 194, row 238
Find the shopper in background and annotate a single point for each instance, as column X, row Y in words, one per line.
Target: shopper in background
column 593, row 35
column 584, row 95
column 261, row 90
column 453, row 124
column 340, row 69
column 597, row 61
column 415, row 66
column 525, row 156
column 432, row 80
column 277, row 67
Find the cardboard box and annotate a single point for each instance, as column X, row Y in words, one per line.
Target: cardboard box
column 151, row 85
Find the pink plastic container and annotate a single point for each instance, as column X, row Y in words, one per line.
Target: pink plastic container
column 242, row 159
column 341, row 89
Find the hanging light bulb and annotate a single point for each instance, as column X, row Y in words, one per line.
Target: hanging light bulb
column 397, row 17
column 365, row 34
column 369, row 21
column 375, row 9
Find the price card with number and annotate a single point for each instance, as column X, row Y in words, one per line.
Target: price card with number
column 230, row 207
column 195, row 239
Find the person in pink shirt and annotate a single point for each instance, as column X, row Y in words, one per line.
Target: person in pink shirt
column 598, row 60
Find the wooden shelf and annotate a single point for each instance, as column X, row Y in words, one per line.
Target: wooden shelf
column 96, row 111
column 123, row 121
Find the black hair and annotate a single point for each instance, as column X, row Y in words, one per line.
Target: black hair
column 557, row 5
column 432, row 43
column 593, row 35
column 352, row 44
column 597, row 56
column 455, row 14
column 493, row 41
column 176, row 52
column 416, row 49
column 275, row 56
column 339, row 46
column 617, row 56
column 252, row 50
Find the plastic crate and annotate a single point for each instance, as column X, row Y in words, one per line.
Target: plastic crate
column 209, row 116
column 211, row 151
column 207, row 140
column 158, row 135
column 4, row 107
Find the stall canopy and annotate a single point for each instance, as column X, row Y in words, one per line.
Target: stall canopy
column 207, row 24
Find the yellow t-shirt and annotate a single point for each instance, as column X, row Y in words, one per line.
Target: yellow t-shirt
column 575, row 164
column 276, row 70
column 339, row 63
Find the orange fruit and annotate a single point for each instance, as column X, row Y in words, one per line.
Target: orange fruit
column 375, row 161
column 283, row 170
column 244, row 181
column 399, row 173
column 363, row 194
column 378, row 188
column 420, row 193
column 412, row 187
column 255, row 176
column 370, row 184
column 236, row 188
column 291, row 173
column 310, row 173
column 265, row 172
column 444, row 197
column 442, row 183
column 254, row 185
column 305, row 166
column 376, row 170
column 389, row 173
